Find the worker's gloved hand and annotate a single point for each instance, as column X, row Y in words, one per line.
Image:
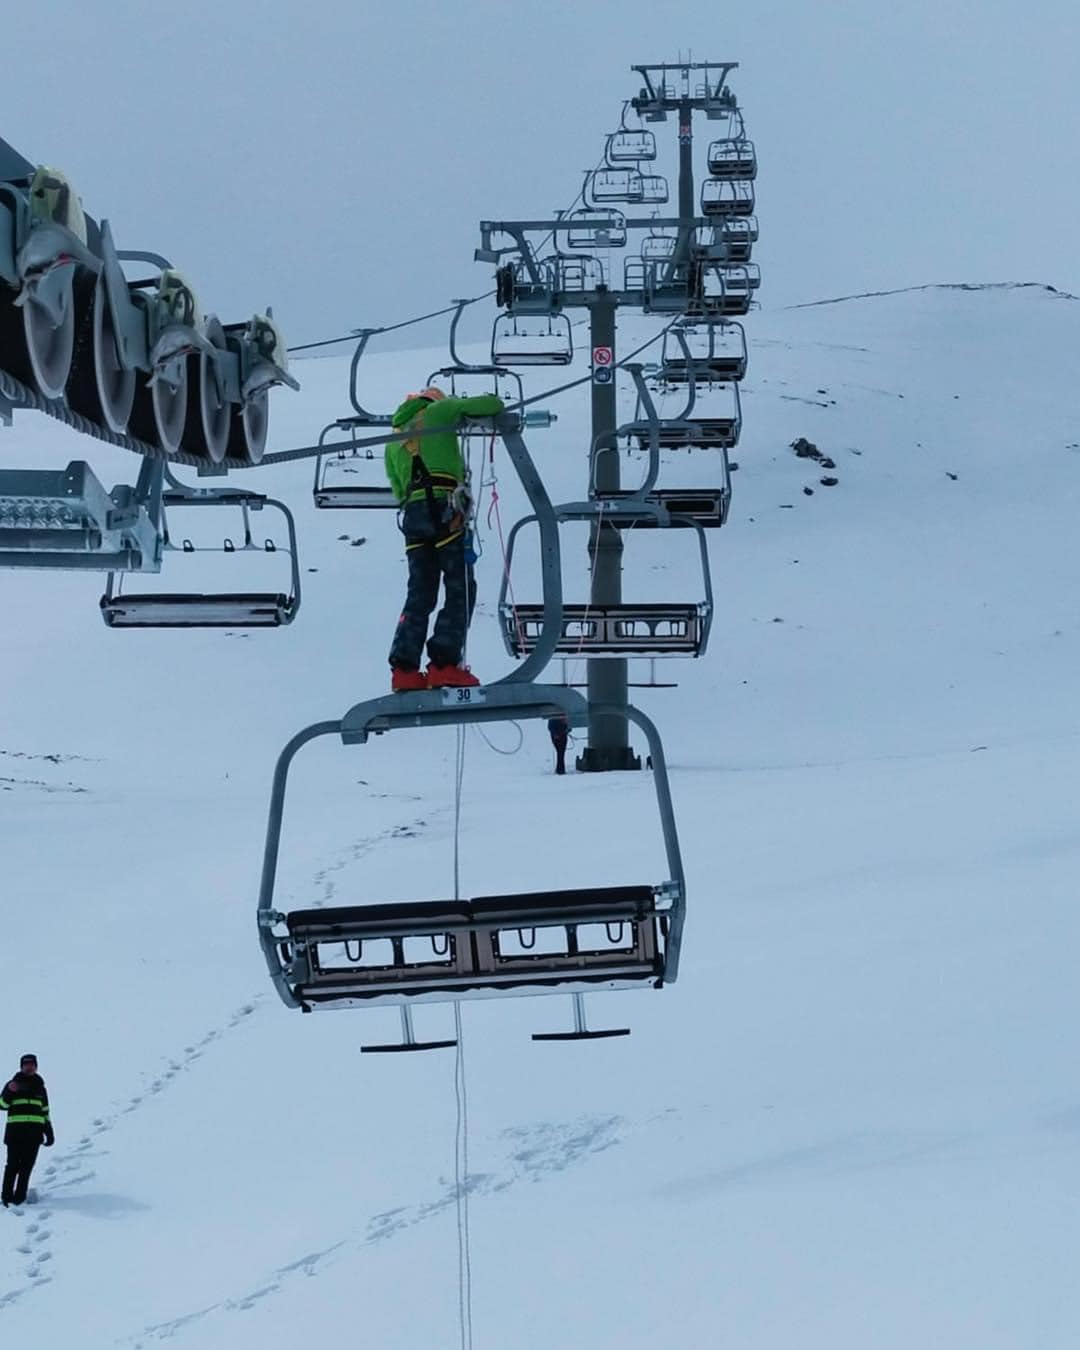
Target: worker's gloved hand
column 50, row 1138
column 461, row 501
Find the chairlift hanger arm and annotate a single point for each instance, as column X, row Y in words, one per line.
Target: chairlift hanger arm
column 425, row 709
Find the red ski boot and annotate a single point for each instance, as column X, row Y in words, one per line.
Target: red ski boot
column 457, row 677
column 406, row 681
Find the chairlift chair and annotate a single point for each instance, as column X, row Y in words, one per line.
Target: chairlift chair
column 658, row 247
column 654, row 189
column 573, row 940
column 529, row 289
column 732, row 159
column 711, row 421
column 589, row 228
column 615, row 630
column 708, row 352
column 348, row 475
column 224, row 609
column 726, row 197
column 581, row 273
column 614, row 185
column 706, row 506
column 731, row 240
column 664, row 288
column 725, row 292
column 627, row 146
column 532, row 340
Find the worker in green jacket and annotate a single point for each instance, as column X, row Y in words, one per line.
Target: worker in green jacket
column 28, row 1127
column 429, row 478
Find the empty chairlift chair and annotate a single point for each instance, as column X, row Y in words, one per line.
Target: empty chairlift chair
column 725, row 290
column 532, row 340
column 707, row 352
column 664, row 288
column 349, row 475
column 657, row 247
column 711, row 419
column 725, row 197
column 614, row 185
column 654, row 189
column 647, row 628
column 704, row 507
column 732, row 159
column 731, row 240
column 627, row 146
column 570, row 940
column 593, row 228
column 216, row 609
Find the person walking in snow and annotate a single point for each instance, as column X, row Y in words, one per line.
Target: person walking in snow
column 28, row 1127
column 429, row 480
column 559, row 731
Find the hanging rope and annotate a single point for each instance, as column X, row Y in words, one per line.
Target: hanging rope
column 461, row 1187
column 493, row 509
column 461, row 1097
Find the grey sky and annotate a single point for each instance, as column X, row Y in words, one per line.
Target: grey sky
column 334, row 158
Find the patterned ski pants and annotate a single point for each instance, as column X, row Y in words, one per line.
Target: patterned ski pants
column 428, row 563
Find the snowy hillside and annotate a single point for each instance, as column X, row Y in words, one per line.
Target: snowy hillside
column 853, row 1122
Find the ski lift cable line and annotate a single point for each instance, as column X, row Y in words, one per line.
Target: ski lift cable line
column 392, row 327
column 435, row 313
column 461, row 1132
column 363, row 442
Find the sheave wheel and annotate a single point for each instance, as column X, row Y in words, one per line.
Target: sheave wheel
column 160, row 409
column 209, row 413
column 33, row 347
column 99, row 387
column 249, row 427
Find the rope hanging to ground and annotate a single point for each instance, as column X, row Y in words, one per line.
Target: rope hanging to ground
column 461, row 1097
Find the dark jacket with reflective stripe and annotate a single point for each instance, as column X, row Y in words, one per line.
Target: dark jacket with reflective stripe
column 27, row 1105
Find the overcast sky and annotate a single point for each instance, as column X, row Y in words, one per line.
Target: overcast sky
column 333, row 158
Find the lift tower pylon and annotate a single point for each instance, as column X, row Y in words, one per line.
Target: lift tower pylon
column 527, row 283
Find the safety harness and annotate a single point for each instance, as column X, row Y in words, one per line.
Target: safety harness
column 423, row 480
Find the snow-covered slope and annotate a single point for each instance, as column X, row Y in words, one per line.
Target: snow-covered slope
column 852, row 1122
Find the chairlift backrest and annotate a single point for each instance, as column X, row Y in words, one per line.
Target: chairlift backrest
column 590, row 228
column 732, row 160
column 727, row 197
column 615, row 185
column 654, row 189
column 535, row 340
column 657, row 247
column 631, row 146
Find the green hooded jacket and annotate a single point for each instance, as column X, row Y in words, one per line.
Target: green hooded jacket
column 441, row 452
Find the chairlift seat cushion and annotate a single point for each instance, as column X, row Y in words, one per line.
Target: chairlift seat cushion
column 357, row 497
column 586, row 904
column 235, row 610
column 331, row 922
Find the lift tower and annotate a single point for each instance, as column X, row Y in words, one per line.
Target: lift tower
column 530, row 284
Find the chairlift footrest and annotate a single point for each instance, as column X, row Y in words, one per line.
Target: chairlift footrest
column 254, row 610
